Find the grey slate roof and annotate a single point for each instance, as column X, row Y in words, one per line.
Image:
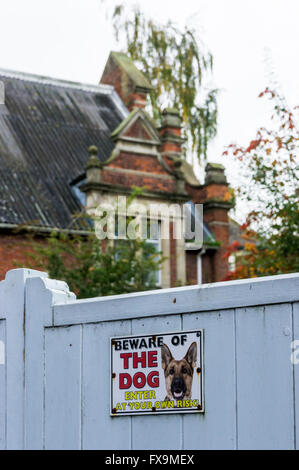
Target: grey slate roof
column 46, row 127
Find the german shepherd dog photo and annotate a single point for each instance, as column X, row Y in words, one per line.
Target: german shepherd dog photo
column 179, row 373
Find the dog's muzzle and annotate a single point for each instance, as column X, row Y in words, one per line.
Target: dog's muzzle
column 178, row 388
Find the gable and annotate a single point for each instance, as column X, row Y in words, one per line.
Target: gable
column 139, row 131
column 137, row 126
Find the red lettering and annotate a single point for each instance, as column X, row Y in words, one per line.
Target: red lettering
column 152, row 359
column 126, row 357
column 125, row 381
column 139, row 380
column 153, row 379
column 139, row 360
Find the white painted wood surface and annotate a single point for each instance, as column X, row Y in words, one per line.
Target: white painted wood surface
column 157, row 432
column 2, row 385
column 265, row 378
column 99, row 430
column 207, row 297
column 216, row 428
column 60, row 399
column 12, row 310
column 296, row 372
column 41, row 295
column 63, row 348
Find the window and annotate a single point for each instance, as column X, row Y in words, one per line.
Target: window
column 232, row 263
column 80, row 195
column 153, row 238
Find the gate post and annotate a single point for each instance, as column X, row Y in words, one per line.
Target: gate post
column 12, row 317
column 41, row 295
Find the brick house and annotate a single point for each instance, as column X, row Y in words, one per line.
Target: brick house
column 47, row 176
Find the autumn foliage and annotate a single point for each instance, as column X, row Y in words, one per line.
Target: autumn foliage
column 270, row 164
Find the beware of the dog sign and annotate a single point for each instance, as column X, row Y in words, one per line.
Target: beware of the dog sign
column 160, row 373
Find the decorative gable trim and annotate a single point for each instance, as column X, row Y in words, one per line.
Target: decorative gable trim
column 137, row 115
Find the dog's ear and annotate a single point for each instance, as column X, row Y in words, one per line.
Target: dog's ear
column 166, row 356
column 191, row 356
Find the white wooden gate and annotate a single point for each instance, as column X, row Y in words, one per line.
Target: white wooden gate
column 55, row 383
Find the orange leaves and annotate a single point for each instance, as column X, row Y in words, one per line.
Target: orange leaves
column 279, row 144
column 227, row 196
column 232, row 248
column 249, row 246
column 253, row 145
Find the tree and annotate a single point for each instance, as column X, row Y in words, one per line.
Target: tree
column 178, row 65
column 91, row 270
column 270, row 163
column 93, row 267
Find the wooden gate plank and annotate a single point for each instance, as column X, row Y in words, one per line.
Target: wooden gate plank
column 62, row 388
column 157, row 432
column 216, row 428
column 100, row 430
column 265, row 378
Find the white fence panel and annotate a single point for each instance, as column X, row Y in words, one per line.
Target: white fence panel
column 265, row 378
column 295, row 357
column 157, row 432
column 216, row 429
column 55, row 382
column 63, row 410
column 12, row 314
column 99, row 429
column 2, row 385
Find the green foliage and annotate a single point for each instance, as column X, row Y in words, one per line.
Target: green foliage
column 177, row 65
column 91, row 269
column 270, row 163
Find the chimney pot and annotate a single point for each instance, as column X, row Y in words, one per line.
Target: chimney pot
column 215, row 174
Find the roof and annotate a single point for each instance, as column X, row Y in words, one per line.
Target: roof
column 128, row 65
column 46, row 127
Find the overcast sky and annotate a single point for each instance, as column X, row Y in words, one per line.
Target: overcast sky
column 71, row 39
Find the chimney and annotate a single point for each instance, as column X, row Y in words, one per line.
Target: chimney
column 130, row 84
column 218, row 201
column 93, row 178
column 170, row 132
column 171, row 144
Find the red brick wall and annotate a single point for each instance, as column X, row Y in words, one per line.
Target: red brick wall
column 131, row 161
column 208, row 267
column 14, row 249
column 142, row 163
column 215, row 266
column 114, row 75
column 218, row 222
column 138, row 132
column 149, row 182
column 191, row 267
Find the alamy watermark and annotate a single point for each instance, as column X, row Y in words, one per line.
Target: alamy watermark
column 140, row 220
column 2, row 93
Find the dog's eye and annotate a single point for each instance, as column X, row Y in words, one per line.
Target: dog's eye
column 171, row 372
column 184, row 370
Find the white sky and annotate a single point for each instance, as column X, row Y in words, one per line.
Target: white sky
column 71, row 39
